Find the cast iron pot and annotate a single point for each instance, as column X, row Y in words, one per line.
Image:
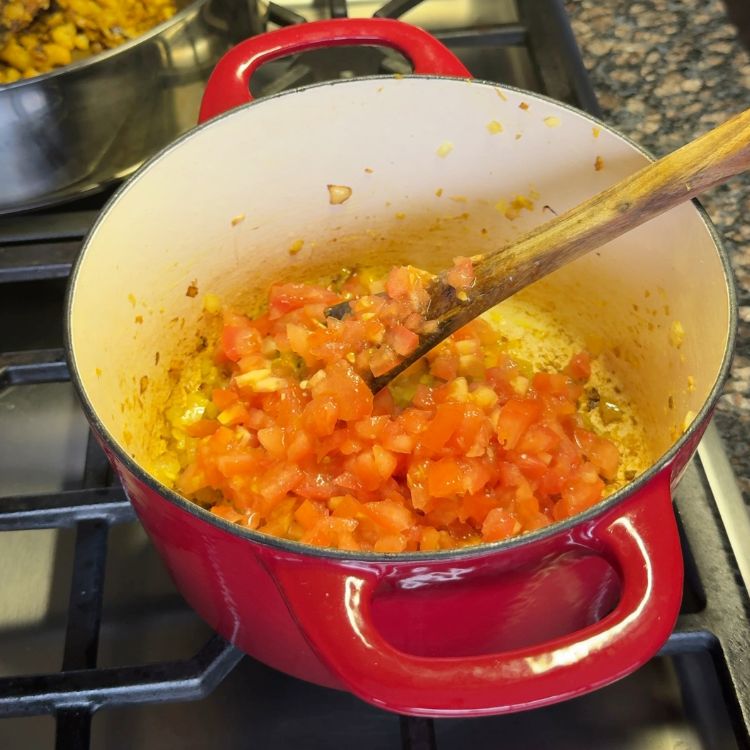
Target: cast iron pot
column 79, row 128
column 484, row 630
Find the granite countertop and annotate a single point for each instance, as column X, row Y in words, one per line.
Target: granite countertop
column 666, row 71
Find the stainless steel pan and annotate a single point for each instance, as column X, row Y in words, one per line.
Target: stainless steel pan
column 78, row 128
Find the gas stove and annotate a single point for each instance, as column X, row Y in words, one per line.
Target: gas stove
column 98, row 650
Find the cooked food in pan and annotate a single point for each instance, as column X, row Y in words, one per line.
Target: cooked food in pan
column 37, row 36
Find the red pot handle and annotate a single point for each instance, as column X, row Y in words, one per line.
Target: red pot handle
column 229, row 84
column 333, row 608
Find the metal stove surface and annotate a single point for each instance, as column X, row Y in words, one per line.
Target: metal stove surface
column 83, row 588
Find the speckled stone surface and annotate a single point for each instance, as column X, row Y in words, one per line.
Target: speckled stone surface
column 664, row 72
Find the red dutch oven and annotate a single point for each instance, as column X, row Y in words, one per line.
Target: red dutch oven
column 431, row 159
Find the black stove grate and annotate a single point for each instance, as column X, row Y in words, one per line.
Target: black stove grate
column 36, row 253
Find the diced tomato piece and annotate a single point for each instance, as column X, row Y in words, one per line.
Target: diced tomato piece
column 320, row 416
column 537, row 521
column 474, row 432
column 444, row 478
column 510, row 474
column 328, row 532
column 371, row 428
column 415, row 421
column 402, row 340
column 532, row 466
column 579, row 367
column 390, row 543
column 239, row 341
column 257, row 419
column 223, row 397
column 582, row 490
column 538, row 438
column 389, row 514
column 300, row 447
column 476, row 474
column 516, row 416
column 526, row 507
column 393, row 439
column 346, row 506
column 398, row 283
column 365, row 469
column 227, row 512
column 299, row 341
column 383, row 404
column 352, row 396
column 498, row 524
column 286, row 297
column 316, row 486
column 448, row 418
column 350, row 445
column 423, row 397
column 272, row 439
column 279, row 480
column 601, row 452
column 202, row 428
column 385, row 461
column 237, row 463
column 429, row 539
column 191, row 480
column 309, row 514
column 383, row 359
column 444, row 367
column 443, row 513
column 461, row 276
column 551, row 383
column 476, row 507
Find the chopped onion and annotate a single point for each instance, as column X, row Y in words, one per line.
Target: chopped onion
column 338, row 194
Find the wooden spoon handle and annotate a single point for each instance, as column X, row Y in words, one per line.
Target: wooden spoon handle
column 707, row 161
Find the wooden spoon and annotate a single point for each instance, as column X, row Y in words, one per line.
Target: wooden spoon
column 707, row 161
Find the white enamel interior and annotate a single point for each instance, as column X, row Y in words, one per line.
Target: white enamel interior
column 269, row 164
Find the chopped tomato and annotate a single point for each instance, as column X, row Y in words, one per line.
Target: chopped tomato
column 224, row 397
column 320, row 416
column 351, row 394
column 227, row 512
column 601, row 452
column 202, row 427
column 579, row 367
column 461, row 276
column 309, row 514
column 444, row 478
column 284, row 298
column 516, row 416
column 468, row 446
column 238, row 341
column 402, row 340
column 447, row 419
column 498, row 524
column 383, row 359
column 398, row 283
column 444, row 367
